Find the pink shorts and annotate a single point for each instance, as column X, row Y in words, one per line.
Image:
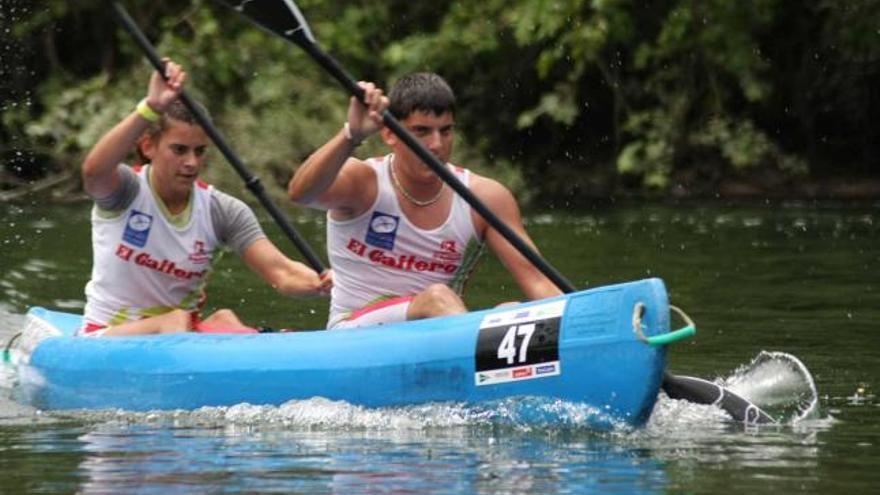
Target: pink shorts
column 387, row 311
column 91, row 330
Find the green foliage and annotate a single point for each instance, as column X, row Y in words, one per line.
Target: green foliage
column 665, row 88
column 744, row 146
column 267, row 99
column 652, row 156
column 76, row 116
column 564, row 91
column 702, row 68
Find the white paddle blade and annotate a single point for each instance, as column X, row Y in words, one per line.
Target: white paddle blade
column 281, row 17
column 303, row 25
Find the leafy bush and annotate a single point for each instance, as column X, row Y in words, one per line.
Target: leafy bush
column 555, row 97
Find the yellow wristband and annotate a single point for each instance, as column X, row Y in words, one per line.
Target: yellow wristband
column 346, row 131
column 147, row 112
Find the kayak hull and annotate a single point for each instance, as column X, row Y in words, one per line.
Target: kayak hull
column 579, row 347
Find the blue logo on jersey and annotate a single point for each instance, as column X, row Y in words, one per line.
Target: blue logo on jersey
column 382, row 230
column 137, row 228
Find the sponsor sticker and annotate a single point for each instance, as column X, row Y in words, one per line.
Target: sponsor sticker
column 484, row 378
column 546, row 369
column 519, row 344
column 546, row 310
column 137, row 228
column 382, row 230
column 516, row 374
column 522, row 372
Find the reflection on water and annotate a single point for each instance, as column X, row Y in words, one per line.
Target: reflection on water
column 794, row 278
column 118, row 457
column 320, row 446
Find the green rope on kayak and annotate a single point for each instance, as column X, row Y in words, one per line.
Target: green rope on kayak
column 689, row 330
column 7, row 349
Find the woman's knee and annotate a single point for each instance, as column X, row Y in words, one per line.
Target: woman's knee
column 175, row 321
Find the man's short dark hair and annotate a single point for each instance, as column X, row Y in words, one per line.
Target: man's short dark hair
column 421, row 92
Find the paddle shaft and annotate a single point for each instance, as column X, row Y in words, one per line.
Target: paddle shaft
column 251, row 181
column 700, row 391
column 340, row 74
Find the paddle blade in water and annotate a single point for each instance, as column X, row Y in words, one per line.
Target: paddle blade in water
column 700, row 391
column 281, row 17
column 778, row 383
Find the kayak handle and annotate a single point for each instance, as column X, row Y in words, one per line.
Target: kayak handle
column 667, row 338
column 7, row 349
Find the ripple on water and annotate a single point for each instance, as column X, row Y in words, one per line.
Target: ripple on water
column 14, row 295
column 69, row 304
column 43, row 224
column 37, row 265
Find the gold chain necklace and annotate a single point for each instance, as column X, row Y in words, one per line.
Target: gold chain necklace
column 407, row 195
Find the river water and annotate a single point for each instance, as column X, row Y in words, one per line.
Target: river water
column 796, row 278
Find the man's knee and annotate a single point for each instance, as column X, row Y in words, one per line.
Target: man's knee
column 440, row 292
column 225, row 318
column 225, row 315
column 436, row 300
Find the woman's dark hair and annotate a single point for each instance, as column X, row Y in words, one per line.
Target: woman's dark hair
column 175, row 111
column 422, row 91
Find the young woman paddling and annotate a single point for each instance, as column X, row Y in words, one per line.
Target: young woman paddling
column 157, row 229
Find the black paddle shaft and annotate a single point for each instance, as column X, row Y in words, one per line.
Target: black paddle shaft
column 701, row 391
column 251, row 181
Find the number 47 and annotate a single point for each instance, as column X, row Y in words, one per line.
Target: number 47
column 508, row 349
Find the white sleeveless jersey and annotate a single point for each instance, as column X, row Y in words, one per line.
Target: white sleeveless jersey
column 380, row 254
column 143, row 265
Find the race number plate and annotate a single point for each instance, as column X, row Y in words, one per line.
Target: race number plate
column 520, row 344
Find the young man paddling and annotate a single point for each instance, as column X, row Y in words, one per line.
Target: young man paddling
column 156, row 229
column 402, row 243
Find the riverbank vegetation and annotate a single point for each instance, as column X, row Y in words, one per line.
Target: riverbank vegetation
column 567, row 99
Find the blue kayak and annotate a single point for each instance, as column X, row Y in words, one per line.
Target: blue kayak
column 581, row 347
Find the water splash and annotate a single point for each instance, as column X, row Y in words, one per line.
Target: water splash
column 780, row 384
column 776, row 382
column 519, row 414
